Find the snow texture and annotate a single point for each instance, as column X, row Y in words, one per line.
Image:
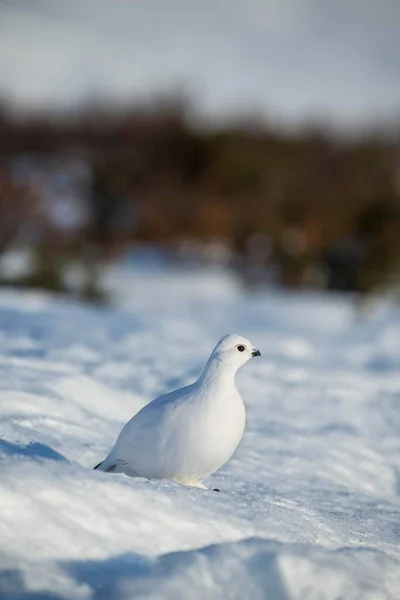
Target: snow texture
column 310, row 504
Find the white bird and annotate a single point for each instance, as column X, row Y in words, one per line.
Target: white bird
column 191, row 432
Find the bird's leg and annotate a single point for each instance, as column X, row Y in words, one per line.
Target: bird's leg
column 198, row 484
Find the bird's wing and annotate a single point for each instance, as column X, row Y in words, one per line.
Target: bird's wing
column 142, row 433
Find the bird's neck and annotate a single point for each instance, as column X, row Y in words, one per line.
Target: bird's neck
column 217, row 374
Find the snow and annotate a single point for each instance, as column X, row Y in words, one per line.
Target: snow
column 310, row 504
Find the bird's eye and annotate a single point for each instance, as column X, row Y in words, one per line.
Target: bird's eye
column 241, row 348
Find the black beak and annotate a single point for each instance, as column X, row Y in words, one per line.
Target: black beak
column 256, row 352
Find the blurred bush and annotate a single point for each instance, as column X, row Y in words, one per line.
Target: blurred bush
column 304, row 209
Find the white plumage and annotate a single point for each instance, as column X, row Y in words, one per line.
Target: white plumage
column 191, row 432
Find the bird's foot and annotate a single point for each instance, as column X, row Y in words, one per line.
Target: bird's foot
column 198, row 484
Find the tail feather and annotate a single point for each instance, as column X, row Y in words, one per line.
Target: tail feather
column 109, row 469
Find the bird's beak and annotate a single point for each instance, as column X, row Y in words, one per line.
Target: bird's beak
column 256, row 352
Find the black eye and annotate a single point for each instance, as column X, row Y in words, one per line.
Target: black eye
column 241, row 348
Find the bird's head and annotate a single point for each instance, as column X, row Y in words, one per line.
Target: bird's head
column 234, row 350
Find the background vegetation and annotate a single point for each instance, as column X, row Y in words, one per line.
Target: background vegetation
column 305, row 209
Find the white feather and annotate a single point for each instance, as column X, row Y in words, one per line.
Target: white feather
column 191, row 432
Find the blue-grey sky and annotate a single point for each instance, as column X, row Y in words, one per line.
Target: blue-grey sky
column 338, row 59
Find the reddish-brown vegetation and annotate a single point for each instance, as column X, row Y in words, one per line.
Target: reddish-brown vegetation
column 324, row 204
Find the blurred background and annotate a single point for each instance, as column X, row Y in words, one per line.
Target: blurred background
column 257, row 136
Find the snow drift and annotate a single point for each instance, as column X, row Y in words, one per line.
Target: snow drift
column 310, row 504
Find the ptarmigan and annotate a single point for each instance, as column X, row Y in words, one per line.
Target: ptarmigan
column 191, row 432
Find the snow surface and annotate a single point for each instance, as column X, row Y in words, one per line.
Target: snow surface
column 309, row 506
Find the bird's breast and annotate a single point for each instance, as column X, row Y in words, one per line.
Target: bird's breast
column 210, row 436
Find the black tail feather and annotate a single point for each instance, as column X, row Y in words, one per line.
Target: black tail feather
column 110, row 469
